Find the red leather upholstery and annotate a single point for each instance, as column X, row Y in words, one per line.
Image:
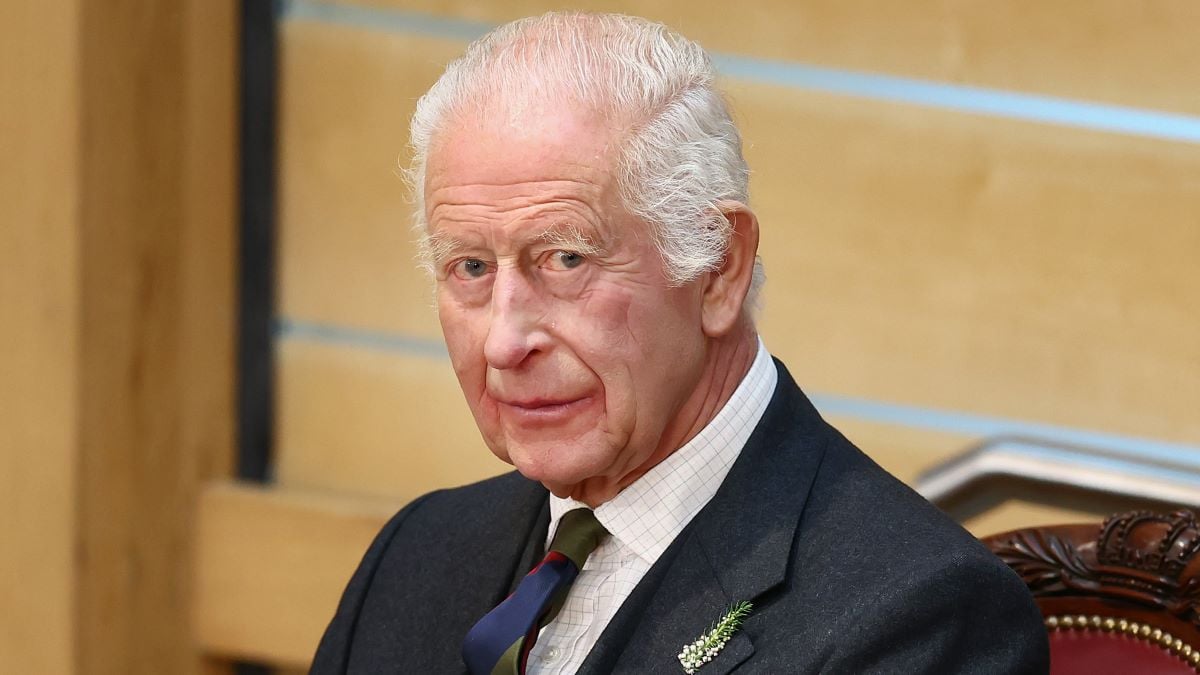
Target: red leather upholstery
column 1077, row 652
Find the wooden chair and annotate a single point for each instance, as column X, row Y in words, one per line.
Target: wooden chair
column 1123, row 597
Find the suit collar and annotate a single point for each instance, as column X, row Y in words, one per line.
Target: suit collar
column 651, row 512
column 519, row 506
column 737, row 548
column 750, row 526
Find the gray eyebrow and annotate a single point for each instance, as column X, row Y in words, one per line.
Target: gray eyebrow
column 571, row 238
column 438, row 246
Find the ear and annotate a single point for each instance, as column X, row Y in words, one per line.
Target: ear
column 725, row 289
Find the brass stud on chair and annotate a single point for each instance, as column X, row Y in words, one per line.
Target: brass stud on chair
column 1134, row 629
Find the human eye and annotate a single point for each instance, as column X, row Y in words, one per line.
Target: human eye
column 470, row 268
column 562, row 260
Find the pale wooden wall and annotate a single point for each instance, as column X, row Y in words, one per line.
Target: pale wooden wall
column 116, row 370
column 918, row 256
column 39, row 278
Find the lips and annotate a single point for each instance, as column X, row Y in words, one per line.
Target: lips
column 531, row 412
column 536, row 403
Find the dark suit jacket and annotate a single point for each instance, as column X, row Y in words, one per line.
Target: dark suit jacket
column 849, row 571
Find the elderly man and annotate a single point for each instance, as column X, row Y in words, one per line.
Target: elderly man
column 678, row 504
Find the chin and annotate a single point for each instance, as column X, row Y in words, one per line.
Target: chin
column 561, row 475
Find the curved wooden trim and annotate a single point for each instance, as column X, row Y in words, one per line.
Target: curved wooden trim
column 1140, row 567
column 1061, row 464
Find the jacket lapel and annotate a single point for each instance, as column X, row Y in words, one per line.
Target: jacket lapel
column 675, row 604
column 533, row 551
column 737, row 548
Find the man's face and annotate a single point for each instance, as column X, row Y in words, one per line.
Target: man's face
column 577, row 357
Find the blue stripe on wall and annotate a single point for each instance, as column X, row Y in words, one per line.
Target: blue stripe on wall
column 981, row 426
column 392, row 20
column 289, row 329
column 958, row 98
column 984, row 426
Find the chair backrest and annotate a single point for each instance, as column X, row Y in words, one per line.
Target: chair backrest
column 1123, row 596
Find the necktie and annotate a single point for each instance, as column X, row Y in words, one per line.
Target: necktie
column 499, row 643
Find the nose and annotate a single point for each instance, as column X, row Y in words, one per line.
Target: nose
column 514, row 331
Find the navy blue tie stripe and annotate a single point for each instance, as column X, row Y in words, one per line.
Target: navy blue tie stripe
column 518, row 616
column 499, row 643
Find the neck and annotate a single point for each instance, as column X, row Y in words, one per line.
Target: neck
column 726, row 363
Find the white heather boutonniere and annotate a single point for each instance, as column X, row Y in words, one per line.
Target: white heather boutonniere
column 707, row 646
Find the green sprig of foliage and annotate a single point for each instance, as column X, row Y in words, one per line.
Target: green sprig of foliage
column 710, row 644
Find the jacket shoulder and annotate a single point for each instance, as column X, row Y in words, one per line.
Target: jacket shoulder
column 915, row 592
column 408, row 602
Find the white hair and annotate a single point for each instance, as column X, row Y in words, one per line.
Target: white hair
column 679, row 154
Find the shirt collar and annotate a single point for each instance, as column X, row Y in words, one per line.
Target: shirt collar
column 648, row 514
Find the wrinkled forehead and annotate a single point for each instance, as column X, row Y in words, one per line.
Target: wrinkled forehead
column 521, row 141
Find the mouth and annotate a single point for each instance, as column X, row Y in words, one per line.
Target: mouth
column 542, row 411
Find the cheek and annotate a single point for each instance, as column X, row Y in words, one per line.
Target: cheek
column 666, row 348
column 633, row 342
column 464, row 336
column 641, row 323
column 597, row 327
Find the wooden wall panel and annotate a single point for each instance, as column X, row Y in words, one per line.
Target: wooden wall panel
column 271, row 566
column 207, row 277
column 39, row 294
column 157, row 86
column 372, row 422
column 207, row 238
column 979, row 265
column 345, row 240
column 115, row 122
column 1142, row 54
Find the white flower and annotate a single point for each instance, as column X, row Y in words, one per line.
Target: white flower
column 707, row 646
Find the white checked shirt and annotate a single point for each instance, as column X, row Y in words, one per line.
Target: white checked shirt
column 643, row 520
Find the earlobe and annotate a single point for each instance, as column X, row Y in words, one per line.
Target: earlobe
column 726, row 288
